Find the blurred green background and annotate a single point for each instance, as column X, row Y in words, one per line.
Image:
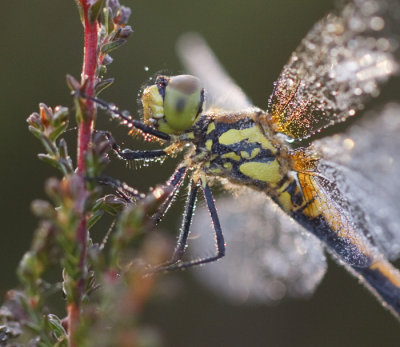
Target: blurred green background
column 41, row 41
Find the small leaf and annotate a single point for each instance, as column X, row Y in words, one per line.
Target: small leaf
column 108, row 47
column 60, row 115
column 94, row 10
column 103, row 85
column 58, row 131
column 48, row 145
column 108, row 22
column 78, row 4
column 56, row 326
column 62, row 146
column 48, row 159
column 94, row 218
column 35, row 132
column 43, row 209
column 73, row 84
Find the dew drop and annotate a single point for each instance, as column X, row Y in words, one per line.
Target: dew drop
column 376, row 23
column 348, row 143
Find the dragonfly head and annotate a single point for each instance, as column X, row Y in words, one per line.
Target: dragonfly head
column 173, row 104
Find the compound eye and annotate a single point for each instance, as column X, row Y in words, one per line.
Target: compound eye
column 183, row 101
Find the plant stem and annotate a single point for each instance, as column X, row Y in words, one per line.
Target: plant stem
column 85, row 129
column 88, row 75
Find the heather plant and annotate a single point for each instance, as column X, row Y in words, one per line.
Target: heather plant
column 103, row 290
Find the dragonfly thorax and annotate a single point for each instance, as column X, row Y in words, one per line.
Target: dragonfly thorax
column 234, row 146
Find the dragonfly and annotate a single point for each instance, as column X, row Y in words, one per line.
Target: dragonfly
column 337, row 68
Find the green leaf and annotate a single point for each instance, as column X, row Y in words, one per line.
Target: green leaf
column 78, row 4
column 103, row 85
column 108, row 20
column 108, row 47
column 56, row 326
column 49, row 159
column 58, row 131
column 48, row 145
column 94, row 10
column 94, row 219
column 35, row 132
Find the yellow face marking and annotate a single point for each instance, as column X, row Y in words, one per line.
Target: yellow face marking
column 211, row 127
column 152, row 103
column 228, row 165
column 251, row 135
column 266, row 172
column 231, row 155
column 158, row 110
column 209, row 144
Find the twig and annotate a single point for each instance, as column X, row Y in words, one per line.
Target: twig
column 85, row 129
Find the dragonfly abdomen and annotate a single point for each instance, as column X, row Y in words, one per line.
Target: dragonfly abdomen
column 322, row 217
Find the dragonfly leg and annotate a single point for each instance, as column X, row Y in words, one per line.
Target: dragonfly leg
column 131, row 195
column 124, row 190
column 126, row 118
column 129, row 154
column 185, row 228
column 175, row 262
column 175, row 181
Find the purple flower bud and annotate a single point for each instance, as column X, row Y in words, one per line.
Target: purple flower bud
column 114, row 5
column 34, row 120
column 125, row 32
column 123, row 15
column 107, row 59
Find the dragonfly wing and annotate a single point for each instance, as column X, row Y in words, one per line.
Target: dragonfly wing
column 199, row 60
column 337, row 67
column 364, row 163
column 269, row 256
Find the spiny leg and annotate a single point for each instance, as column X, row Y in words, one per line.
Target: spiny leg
column 124, row 190
column 175, row 180
column 129, row 154
column 184, row 230
column 131, row 194
column 174, row 263
column 127, row 119
column 186, row 222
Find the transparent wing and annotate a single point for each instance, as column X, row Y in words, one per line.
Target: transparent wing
column 199, row 60
column 269, row 256
column 364, row 163
column 337, row 67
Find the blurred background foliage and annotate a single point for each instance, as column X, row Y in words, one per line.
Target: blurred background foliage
column 41, row 42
